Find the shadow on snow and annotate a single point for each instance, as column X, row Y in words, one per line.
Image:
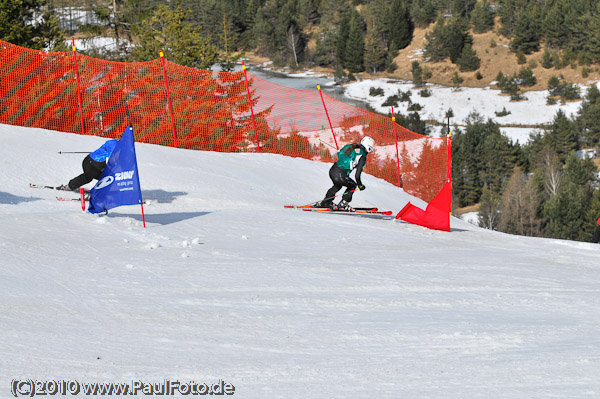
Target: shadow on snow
column 6, row 198
column 160, row 218
column 161, row 196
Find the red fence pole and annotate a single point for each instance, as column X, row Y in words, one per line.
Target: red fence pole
column 397, row 152
column 162, row 58
column 251, row 108
column 329, row 120
column 78, row 88
column 450, row 163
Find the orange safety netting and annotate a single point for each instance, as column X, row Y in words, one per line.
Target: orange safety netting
column 210, row 111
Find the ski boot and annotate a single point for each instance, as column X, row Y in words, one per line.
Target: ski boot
column 344, row 206
column 64, row 187
column 324, row 204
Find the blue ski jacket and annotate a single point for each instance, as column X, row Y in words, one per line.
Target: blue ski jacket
column 102, row 153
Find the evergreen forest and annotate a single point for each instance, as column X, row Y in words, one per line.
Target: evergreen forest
column 542, row 188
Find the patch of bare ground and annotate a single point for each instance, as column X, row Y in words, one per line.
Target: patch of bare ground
column 494, row 51
column 466, row 209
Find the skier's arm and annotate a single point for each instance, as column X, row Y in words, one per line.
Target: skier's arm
column 359, row 167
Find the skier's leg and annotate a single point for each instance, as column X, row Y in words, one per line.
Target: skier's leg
column 350, row 187
column 337, row 177
column 91, row 170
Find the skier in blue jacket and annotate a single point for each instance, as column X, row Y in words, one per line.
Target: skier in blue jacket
column 93, row 165
column 350, row 157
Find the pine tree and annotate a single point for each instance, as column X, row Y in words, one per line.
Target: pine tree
column 496, row 152
column 468, row 60
column 308, row 12
column 589, row 115
column 481, row 155
column 378, row 13
column 567, row 213
column 355, row 46
column 456, row 37
column 508, row 12
column 326, row 49
column 562, row 135
column 526, row 36
column 400, row 24
column 547, row 60
column 467, row 185
column 482, row 18
column 263, row 33
column 526, row 77
column 375, row 52
column 579, row 31
column 341, row 40
column 435, row 44
column 592, row 37
column 417, row 73
column 457, row 80
column 423, row 12
column 289, row 38
column 18, row 26
column 181, row 43
column 463, row 8
column 555, row 31
column 591, row 220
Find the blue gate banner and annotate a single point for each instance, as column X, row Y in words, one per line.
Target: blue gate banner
column 120, row 183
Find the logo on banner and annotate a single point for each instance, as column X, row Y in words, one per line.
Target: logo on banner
column 119, row 177
column 106, row 181
column 124, row 175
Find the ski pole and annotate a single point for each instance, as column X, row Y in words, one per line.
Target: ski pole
column 326, row 143
column 127, row 112
column 74, row 152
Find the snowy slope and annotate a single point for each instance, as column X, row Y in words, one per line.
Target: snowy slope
column 524, row 116
column 226, row 284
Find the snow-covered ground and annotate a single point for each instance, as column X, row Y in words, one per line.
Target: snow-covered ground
column 226, row 284
column 99, row 43
column 523, row 115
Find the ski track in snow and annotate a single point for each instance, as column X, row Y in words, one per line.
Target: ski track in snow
column 225, row 283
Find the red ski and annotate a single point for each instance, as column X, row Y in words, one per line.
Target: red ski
column 322, row 208
column 356, row 211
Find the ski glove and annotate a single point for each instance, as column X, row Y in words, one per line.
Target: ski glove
column 362, row 187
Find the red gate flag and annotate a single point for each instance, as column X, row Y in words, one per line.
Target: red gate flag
column 437, row 214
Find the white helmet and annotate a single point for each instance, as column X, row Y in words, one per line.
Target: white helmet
column 368, row 143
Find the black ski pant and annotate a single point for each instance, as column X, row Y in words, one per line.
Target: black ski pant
column 92, row 170
column 340, row 179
